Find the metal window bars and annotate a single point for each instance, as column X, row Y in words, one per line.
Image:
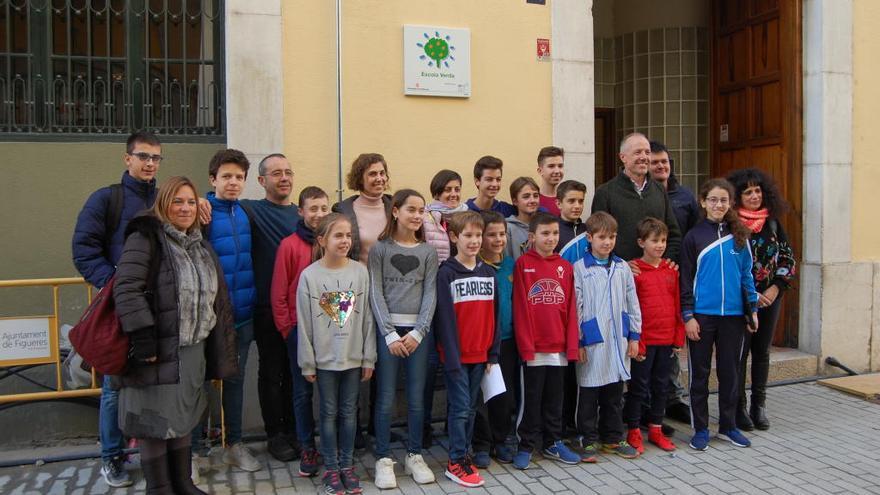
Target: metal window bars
column 109, row 67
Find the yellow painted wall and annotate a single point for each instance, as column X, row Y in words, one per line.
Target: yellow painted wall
column 508, row 114
column 866, row 108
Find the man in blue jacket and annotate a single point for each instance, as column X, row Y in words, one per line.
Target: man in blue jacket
column 97, row 245
column 230, row 235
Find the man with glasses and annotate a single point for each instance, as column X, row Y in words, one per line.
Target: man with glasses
column 97, row 245
column 272, row 219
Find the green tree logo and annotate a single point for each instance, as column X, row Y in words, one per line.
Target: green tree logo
column 438, row 49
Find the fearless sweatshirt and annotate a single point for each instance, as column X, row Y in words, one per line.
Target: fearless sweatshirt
column 466, row 321
column 544, row 311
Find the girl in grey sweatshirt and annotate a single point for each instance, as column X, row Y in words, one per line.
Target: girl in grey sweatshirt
column 337, row 344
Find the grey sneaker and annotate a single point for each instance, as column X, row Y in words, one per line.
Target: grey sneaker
column 114, row 473
column 242, row 457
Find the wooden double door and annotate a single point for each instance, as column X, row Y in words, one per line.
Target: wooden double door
column 756, row 117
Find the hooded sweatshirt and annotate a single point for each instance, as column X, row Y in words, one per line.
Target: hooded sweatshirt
column 544, row 312
column 334, row 323
column 294, row 255
column 517, row 238
column 466, row 320
column 504, row 283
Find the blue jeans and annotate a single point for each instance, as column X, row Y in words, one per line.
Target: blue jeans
column 108, row 422
column 339, row 393
column 386, row 387
column 302, row 396
column 233, row 394
column 462, row 393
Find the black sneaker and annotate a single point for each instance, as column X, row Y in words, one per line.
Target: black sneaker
column 280, row 448
column 293, row 441
column 114, row 473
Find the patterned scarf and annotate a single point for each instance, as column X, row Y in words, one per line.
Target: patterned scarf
column 196, row 284
column 754, row 220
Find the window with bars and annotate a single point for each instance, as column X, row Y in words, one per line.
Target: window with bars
column 107, row 67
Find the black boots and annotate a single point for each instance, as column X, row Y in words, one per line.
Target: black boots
column 759, row 417
column 180, row 468
column 157, row 476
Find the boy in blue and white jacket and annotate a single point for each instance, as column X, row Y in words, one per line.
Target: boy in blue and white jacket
column 610, row 327
column 230, row 235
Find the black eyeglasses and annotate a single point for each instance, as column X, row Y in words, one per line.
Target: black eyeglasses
column 145, row 157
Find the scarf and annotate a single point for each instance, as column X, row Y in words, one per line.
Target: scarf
column 197, row 284
column 754, row 220
column 443, row 211
column 305, row 232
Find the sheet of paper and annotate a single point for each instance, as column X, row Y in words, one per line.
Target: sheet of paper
column 493, row 383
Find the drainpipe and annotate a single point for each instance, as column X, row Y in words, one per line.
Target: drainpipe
column 339, row 189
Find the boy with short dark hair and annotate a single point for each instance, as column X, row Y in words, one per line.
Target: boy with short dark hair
column 295, row 253
column 497, row 435
column 570, row 197
column 662, row 336
column 467, row 335
column 551, row 161
column 545, row 326
column 487, row 178
column 610, row 326
column 230, row 235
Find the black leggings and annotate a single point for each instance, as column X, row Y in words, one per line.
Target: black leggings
column 724, row 335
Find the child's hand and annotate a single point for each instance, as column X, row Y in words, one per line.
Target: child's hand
column 409, row 343
column 311, row 378
column 582, row 354
column 692, row 329
column 633, row 349
column 366, row 374
column 489, row 366
column 753, row 329
column 676, row 350
column 397, row 348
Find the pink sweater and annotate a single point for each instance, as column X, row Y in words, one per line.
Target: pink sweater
column 294, row 255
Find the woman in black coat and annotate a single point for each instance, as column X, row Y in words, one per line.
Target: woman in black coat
column 760, row 206
column 172, row 302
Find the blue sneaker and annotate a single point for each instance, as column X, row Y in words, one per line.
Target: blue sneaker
column 481, row 459
column 561, row 453
column 522, row 459
column 700, row 440
column 503, row 454
column 735, row 437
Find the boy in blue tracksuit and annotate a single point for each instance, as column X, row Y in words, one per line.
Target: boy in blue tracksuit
column 230, row 236
column 717, row 290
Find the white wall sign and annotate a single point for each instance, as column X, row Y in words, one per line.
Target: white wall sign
column 25, row 338
column 436, row 61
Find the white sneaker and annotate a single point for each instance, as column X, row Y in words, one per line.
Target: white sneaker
column 240, row 456
column 416, row 466
column 194, row 474
column 385, row 478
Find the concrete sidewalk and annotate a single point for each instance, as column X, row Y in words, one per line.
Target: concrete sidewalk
column 821, row 441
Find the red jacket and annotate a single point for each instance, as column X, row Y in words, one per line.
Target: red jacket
column 294, row 255
column 659, row 301
column 544, row 306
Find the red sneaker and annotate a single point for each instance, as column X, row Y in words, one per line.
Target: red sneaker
column 463, row 473
column 634, row 439
column 656, row 436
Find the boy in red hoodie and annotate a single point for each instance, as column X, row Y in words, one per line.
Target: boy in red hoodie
column 294, row 255
column 662, row 336
column 545, row 325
